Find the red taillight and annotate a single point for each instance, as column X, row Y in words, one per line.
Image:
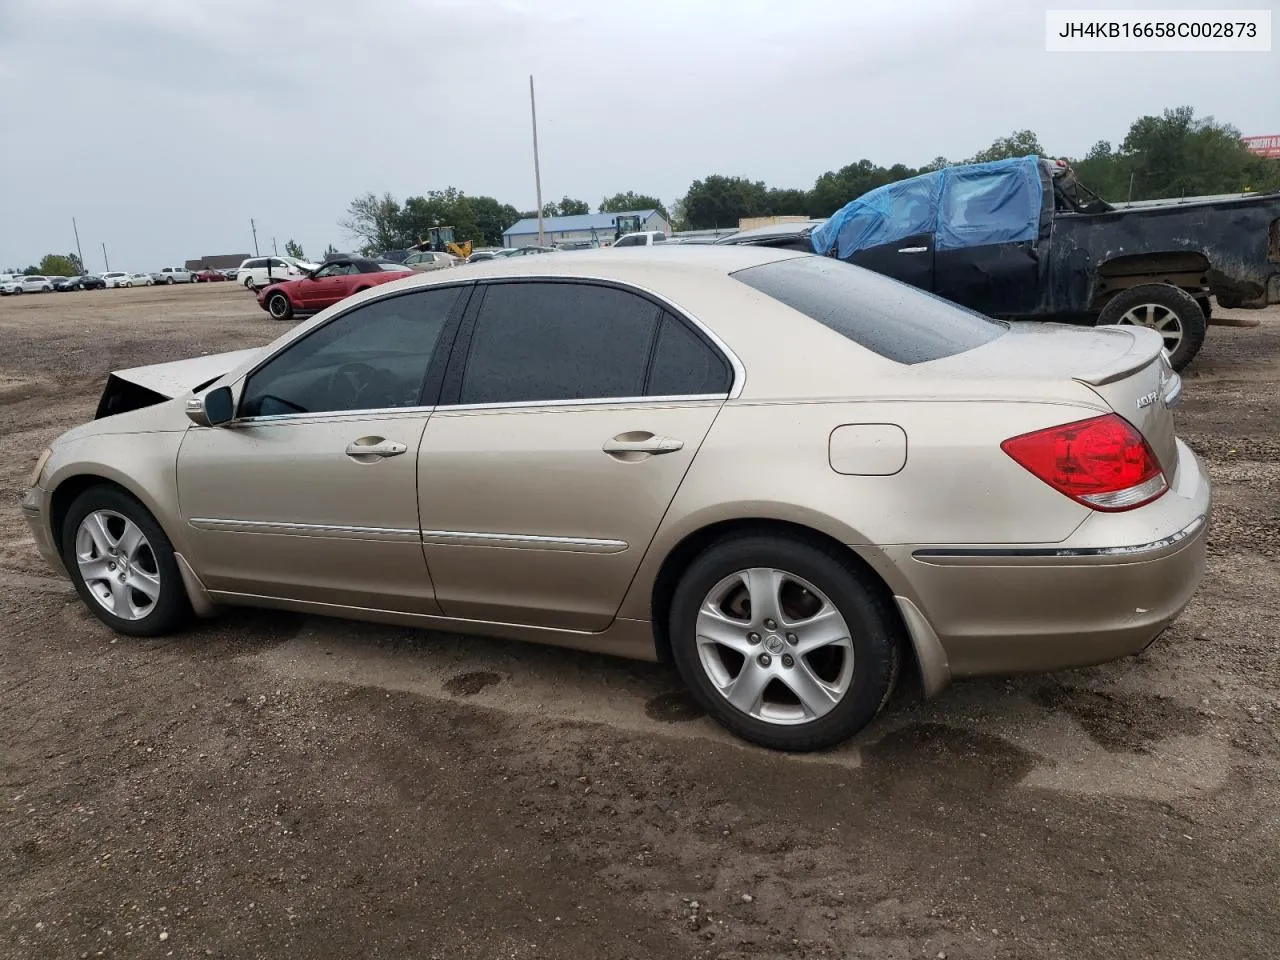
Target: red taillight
column 1104, row 462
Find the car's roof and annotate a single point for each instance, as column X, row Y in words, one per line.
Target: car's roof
column 600, row 263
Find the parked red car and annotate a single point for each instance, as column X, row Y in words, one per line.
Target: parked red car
column 335, row 280
column 209, row 276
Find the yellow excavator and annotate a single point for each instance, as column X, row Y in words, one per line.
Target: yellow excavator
column 440, row 240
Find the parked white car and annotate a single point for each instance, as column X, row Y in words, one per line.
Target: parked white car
column 173, row 275
column 253, row 272
column 114, row 278
column 27, row 285
column 421, row 261
column 645, row 238
column 137, row 280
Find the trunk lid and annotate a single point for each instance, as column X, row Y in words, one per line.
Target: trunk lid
column 1125, row 366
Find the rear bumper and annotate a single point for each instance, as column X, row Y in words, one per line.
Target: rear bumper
column 1105, row 592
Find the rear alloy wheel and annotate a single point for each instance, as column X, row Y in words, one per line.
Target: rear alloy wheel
column 782, row 643
column 122, row 563
column 1170, row 311
column 279, row 307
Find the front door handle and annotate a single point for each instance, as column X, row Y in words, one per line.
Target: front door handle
column 369, row 449
column 641, row 442
column 913, row 249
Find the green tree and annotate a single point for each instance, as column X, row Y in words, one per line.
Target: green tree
column 57, row 265
column 630, row 200
column 330, row 251
column 1020, row 143
column 294, row 249
column 573, row 208
column 1177, row 154
column 720, row 201
column 375, row 221
column 492, row 218
column 834, row 189
column 787, row 202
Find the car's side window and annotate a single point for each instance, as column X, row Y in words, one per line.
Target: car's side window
column 686, row 365
column 538, row 342
column 370, row 358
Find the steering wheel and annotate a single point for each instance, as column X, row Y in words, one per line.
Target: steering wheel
column 348, row 383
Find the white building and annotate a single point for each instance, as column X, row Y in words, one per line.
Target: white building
column 598, row 227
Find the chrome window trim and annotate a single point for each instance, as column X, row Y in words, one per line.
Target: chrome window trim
column 522, row 541
column 946, row 555
column 332, row 415
column 735, row 364
column 597, row 402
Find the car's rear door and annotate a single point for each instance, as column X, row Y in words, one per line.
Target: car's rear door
column 557, row 446
column 311, row 493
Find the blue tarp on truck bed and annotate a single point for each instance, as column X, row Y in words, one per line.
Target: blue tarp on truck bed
column 966, row 206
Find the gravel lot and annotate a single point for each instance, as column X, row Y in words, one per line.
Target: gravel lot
column 267, row 785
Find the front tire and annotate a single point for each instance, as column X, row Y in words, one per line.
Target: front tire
column 122, row 564
column 1170, row 311
column 250, row 285
column 169, row 281
column 783, row 641
column 279, row 307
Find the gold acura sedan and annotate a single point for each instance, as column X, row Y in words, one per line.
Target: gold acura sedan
column 784, row 473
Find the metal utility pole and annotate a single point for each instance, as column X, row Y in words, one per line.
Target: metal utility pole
column 1131, row 187
column 537, row 174
column 254, row 227
column 273, row 247
column 104, row 256
column 79, row 253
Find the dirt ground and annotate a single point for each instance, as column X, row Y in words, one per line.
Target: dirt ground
column 269, row 785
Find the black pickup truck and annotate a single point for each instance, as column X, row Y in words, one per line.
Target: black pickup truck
column 1023, row 239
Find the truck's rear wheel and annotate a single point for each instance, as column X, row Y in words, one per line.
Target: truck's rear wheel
column 1170, row 311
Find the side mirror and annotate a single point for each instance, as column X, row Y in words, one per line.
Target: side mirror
column 213, row 409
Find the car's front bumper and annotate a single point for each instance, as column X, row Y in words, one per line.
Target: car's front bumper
column 35, row 509
column 1105, row 592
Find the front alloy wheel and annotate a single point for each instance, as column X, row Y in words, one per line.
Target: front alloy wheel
column 118, row 564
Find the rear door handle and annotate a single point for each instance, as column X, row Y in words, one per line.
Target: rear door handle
column 642, row 443
column 369, row 449
column 913, row 249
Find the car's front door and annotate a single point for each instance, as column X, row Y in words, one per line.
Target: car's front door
column 311, row 492
column 556, row 448
column 992, row 229
column 320, row 288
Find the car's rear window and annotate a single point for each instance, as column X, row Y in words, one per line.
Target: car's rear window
column 897, row 321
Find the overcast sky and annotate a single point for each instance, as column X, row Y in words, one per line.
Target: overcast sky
column 163, row 127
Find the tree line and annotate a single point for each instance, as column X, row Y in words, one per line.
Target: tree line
column 1174, row 154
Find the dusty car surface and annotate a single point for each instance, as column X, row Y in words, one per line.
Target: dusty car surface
column 784, row 473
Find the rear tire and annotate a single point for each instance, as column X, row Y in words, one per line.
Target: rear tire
column 812, row 674
column 1169, row 310
column 108, row 534
column 279, row 307
column 250, row 285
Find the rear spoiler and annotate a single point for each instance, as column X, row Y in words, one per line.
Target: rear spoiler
column 1145, row 345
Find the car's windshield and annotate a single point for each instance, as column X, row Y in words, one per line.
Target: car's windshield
column 897, row 321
